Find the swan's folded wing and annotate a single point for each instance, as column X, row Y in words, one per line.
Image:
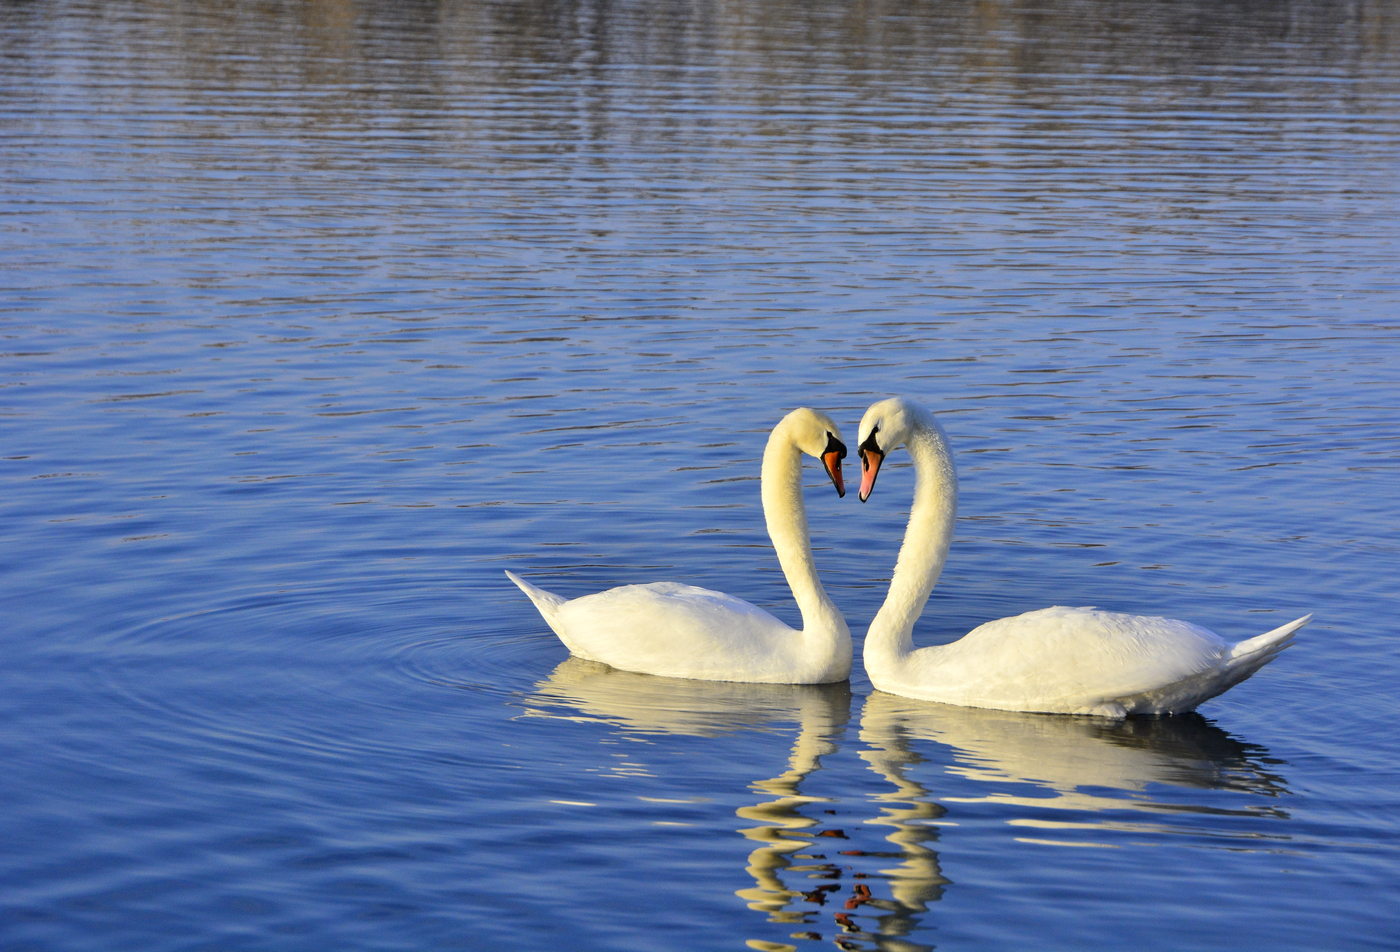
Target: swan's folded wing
column 677, row 630
column 1070, row 659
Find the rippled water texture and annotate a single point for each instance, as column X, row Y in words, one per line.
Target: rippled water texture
column 314, row 317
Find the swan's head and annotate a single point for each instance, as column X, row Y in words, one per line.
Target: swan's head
column 816, row 434
column 884, row 428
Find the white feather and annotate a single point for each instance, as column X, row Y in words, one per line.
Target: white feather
column 682, row 631
column 1055, row 660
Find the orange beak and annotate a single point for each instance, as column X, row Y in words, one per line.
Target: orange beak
column 832, row 462
column 870, row 461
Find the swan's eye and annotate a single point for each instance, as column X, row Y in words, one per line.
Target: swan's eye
column 833, row 445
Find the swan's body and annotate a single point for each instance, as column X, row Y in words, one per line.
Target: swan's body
column 682, row 631
column 1056, row 660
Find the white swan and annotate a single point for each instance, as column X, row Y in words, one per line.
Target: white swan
column 1056, row 660
column 681, row 631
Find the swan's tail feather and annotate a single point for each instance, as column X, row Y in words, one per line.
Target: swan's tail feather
column 1244, row 660
column 1269, row 644
column 547, row 602
column 1252, row 654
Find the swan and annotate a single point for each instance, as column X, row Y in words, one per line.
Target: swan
column 1056, row 660
column 681, row 631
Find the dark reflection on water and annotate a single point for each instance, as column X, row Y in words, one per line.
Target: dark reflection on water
column 458, row 150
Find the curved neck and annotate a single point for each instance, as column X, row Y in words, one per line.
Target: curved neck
column 925, row 549
column 787, row 527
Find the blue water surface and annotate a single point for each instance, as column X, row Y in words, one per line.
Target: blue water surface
column 315, row 317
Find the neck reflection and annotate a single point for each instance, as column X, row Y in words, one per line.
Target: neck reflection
column 911, row 817
column 783, row 827
column 780, row 829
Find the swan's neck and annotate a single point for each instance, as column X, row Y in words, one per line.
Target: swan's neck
column 891, row 636
column 787, row 527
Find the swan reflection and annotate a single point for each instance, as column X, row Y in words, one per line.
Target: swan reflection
column 1089, row 765
column 911, row 815
column 1076, row 763
column 643, row 703
column 656, row 705
column 802, row 872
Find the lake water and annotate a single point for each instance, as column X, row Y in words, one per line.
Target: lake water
column 315, row 317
